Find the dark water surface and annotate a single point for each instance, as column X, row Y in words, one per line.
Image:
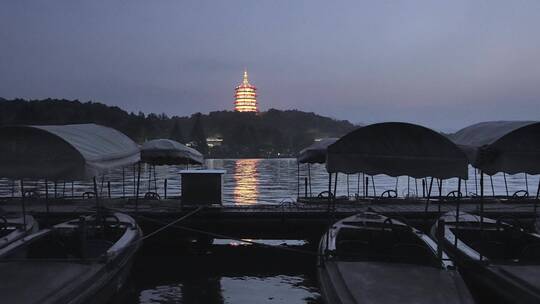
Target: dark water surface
column 229, row 272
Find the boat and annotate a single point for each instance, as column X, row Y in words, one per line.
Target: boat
column 371, row 258
column 16, row 226
column 86, row 260
column 497, row 256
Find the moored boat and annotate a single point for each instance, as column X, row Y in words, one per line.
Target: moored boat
column 370, row 258
column 14, row 227
column 500, row 259
column 86, row 260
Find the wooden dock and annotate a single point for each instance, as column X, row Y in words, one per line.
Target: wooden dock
column 290, row 220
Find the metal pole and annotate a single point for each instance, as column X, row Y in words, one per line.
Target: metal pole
column 305, row 187
column 348, row 192
column 23, row 204
column 505, row 185
column 109, row 188
column 475, row 182
column 55, row 188
column 134, row 180
column 416, row 186
column 466, row 191
column 526, row 184
column 408, row 186
column 149, row 177
column 481, row 205
column 309, row 176
column 298, row 179
column 72, row 189
column 137, row 190
column 335, row 185
column 358, row 185
column 123, row 182
column 423, row 187
column 373, row 185
column 97, row 201
column 155, row 179
column 165, row 189
column 47, row 202
column 492, row 187
column 366, row 188
column 457, row 211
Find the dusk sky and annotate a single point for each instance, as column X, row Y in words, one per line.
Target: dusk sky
column 443, row 64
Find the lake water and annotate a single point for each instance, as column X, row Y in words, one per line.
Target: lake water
column 232, row 272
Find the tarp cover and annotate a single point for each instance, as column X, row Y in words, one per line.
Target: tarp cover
column 316, row 153
column 65, row 152
column 169, row 152
column 396, row 149
column 502, row 146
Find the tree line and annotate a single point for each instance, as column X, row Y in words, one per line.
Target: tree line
column 274, row 133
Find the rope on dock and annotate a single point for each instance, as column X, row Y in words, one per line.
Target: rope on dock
column 221, row 236
column 171, row 224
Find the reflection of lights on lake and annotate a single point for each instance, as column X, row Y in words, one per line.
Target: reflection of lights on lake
column 246, row 179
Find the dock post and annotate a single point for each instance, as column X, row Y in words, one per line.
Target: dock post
column 440, row 238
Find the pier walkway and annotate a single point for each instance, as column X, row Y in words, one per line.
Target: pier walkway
column 289, row 220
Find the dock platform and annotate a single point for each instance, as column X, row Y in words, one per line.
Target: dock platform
column 289, row 220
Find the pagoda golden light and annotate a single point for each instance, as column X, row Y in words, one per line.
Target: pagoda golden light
column 245, row 96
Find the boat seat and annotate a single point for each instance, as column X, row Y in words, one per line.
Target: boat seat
column 95, row 248
column 354, row 248
column 411, row 253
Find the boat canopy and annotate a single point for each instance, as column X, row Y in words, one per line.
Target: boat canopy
column 316, row 152
column 65, row 152
column 396, row 149
column 502, row 146
column 169, row 152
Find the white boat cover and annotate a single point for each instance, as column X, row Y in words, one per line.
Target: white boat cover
column 316, row 152
column 502, row 146
column 66, row 152
column 169, row 152
column 396, row 149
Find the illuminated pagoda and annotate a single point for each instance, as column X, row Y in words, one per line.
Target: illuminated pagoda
column 245, row 96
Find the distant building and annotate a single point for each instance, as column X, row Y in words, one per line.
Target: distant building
column 245, row 96
column 214, row 142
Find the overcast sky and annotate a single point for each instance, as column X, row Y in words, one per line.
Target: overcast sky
column 443, row 64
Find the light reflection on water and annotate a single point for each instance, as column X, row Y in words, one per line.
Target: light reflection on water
column 246, row 180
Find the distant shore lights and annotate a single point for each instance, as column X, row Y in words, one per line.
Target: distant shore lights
column 245, row 96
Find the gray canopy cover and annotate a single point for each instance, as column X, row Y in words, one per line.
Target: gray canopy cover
column 502, row 146
column 64, row 152
column 316, row 153
column 169, row 152
column 396, row 149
